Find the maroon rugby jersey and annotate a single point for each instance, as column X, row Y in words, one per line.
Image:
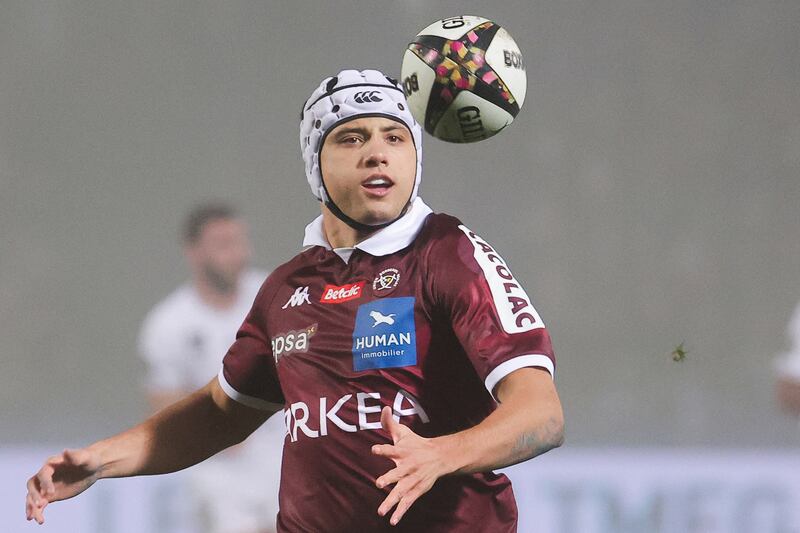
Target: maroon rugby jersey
column 425, row 317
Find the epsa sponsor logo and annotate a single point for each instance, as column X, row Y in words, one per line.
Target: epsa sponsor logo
column 336, row 294
column 292, row 341
column 385, row 334
column 512, row 303
column 315, row 420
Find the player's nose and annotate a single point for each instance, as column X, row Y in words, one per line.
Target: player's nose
column 376, row 159
column 375, row 155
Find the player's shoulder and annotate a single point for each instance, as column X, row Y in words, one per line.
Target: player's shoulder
column 175, row 304
column 174, row 309
column 255, row 276
column 251, row 282
column 449, row 246
column 439, row 227
column 444, row 234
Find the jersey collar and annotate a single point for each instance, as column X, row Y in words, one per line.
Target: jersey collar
column 389, row 240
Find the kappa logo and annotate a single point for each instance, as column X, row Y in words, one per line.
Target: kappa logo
column 368, row 96
column 336, row 294
column 386, row 281
column 299, row 297
column 381, row 318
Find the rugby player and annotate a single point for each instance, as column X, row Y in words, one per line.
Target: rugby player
column 408, row 359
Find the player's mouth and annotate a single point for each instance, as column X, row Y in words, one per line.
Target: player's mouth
column 377, row 185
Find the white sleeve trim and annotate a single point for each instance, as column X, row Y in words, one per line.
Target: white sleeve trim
column 521, row 361
column 249, row 401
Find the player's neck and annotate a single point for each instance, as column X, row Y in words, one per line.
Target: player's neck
column 339, row 234
column 213, row 296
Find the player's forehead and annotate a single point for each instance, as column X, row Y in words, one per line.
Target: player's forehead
column 369, row 124
column 222, row 228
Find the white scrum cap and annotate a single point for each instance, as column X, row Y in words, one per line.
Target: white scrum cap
column 348, row 95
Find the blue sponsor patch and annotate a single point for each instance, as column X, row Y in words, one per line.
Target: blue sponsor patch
column 385, row 335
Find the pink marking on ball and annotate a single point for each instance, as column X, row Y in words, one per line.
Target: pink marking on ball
column 472, row 36
column 463, row 83
column 489, row 77
column 442, row 70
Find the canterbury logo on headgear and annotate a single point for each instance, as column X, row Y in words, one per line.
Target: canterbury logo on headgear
column 368, row 96
column 331, row 88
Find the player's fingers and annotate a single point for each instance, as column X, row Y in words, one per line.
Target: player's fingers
column 404, row 505
column 389, row 478
column 38, row 514
column 416, row 488
column 28, row 506
column 38, row 484
column 44, row 480
column 388, row 423
column 34, row 510
column 389, row 502
column 33, row 488
column 385, row 450
column 394, row 497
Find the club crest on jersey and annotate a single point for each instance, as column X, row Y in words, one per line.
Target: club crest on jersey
column 292, row 341
column 385, row 334
column 299, row 297
column 336, row 294
column 514, row 307
column 385, row 282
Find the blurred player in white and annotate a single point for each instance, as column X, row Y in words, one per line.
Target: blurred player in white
column 788, row 369
column 183, row 340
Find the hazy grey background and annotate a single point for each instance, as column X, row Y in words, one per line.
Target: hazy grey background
column 648, row 193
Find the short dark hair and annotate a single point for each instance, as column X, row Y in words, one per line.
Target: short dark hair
column 201, row 215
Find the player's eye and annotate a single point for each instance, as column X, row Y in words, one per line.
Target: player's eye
column 394, row 138
column 350, row 139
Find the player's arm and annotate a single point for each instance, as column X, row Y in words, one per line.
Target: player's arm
column 181, row 435
column 161, row 399
column 528, row 422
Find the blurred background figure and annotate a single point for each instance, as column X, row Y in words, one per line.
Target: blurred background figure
column 788, row 369
column 183, row 340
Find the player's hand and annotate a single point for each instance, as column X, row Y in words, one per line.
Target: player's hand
column 419, row 462
column 62, row 476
